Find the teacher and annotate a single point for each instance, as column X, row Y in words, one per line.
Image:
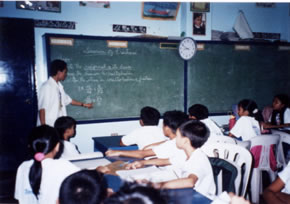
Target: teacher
column 52, row 99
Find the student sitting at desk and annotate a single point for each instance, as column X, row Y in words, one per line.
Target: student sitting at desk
column 247, row 125
column 38, row 180
column 171, row 121
column 196, row 172
column 280, row 117
column 200, row 112
column 148, row 133
column 66, row 127
column 279, row 191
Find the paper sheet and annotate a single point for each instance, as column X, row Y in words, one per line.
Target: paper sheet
column 152, row 174
column 91, row 163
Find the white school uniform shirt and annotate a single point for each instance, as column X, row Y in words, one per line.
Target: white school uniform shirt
column 54, row 171
column 246, row 127
column 213, row 128
column 69, row 150
column 169, row 150
column 54, row 100
column 199, row 165
column 144, row 136
column 23, row 192
column 285, row 177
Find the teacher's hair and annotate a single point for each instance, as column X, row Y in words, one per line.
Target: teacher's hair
column 57, row 65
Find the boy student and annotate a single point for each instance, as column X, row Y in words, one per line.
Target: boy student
column 171, row 121
column 200, row 112
column 148, row 133
column 52, row 99
column 196, row 171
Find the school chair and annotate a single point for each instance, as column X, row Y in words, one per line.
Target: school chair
column 221, row 139
column 283, row 148
column 264, row 150
column 238, row 155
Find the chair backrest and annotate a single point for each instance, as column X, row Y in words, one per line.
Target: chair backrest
column 221, row 139
column 283, row 145
column 263, row 151
column 226, row 175
column 238, row 155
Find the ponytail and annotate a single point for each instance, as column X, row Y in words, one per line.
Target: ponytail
column 43, row 140
column 252, row 108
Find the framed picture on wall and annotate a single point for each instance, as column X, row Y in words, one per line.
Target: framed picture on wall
column 200, row 7
column 51, row 6
column 160, row 10
column 199, row 23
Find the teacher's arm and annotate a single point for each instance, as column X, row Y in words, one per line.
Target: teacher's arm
column 77, row 103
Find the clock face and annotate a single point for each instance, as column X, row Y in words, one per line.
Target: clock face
column 187, row 48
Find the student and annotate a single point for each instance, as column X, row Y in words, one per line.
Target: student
column 171, row 121
column 38, row 180
column 83, row 187
column 132, row 193
column 52, row 99
column 279, row 191
column 196, row 171
column 148, row 133
column 66, row 127
column 248, row 124
column 280, row 117
column 200, row 112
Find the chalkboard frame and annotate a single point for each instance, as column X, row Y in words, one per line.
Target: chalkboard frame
column 47, row 36
column 141, row 39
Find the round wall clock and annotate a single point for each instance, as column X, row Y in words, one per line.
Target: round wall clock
column 187, row 48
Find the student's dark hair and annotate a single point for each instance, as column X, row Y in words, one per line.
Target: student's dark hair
column 133, row 193
column 150, row 116
column 173, row 119
column 57, row 65
column 252, row 108
column 199, row 111
column 63, row 123
column 195, row 131
column 284, row 100
column 197, row 15
column 43, row 140
column 83, row 187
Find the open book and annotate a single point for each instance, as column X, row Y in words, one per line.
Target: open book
column 152, row 174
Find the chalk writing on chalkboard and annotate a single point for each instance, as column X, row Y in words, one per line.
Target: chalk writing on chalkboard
column 55, row 24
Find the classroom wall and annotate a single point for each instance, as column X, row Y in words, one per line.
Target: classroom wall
column 99, row 21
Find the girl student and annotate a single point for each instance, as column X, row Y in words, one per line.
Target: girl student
column 38, row 180
column 66, row 127
column 280, row 117
column 247, row 126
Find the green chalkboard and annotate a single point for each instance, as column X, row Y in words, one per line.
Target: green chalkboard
column 221, row 74
column 119, row 81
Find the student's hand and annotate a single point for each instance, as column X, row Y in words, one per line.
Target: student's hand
column 103, row 169
column 134, row 165
column 266, row 125
column 238, row 199
column 88, row 105
column 113, row 153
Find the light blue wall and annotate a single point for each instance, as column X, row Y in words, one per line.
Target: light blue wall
column 271, row 20
column 99, row 21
